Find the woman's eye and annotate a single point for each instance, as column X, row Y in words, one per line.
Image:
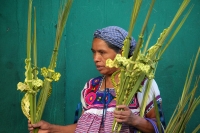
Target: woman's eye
column 101, row 52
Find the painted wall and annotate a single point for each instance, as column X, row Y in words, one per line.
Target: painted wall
column 75, row 58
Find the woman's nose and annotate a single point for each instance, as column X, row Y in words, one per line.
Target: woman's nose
column 96, row 57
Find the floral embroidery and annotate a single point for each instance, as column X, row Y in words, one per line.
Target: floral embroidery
column 96, row 81
column 93, row 85
column 96, row 98
column 90, row 98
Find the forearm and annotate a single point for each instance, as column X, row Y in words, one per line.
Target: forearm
column 63, row 129
column 125, row 115
column 142, row 125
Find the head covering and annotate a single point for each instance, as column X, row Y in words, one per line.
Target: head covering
column 115, row 36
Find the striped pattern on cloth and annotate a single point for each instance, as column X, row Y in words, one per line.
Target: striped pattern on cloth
column 93, row 120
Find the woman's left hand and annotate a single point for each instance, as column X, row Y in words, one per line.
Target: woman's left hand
column 124, row 115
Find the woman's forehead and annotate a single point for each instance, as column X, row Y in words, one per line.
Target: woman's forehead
column 99, row 43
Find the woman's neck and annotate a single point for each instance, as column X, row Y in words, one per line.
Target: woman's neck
column 107, row 82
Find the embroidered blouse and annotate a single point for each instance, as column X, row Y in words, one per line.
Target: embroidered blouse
column 99, row 106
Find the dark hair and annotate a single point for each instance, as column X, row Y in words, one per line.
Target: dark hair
column 115, row 48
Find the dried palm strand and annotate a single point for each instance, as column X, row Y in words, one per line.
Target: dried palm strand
column 140, row 65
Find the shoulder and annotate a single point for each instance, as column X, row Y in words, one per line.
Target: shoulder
column 93, row 81
column 154, row 90
column 92, row 85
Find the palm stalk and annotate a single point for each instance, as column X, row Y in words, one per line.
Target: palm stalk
column 35, row 48
column 149, row 82
column 32, row 96
column 155, row 55
column 28, row 103
column 50, row 74
column 135, row 55
column 32, row 84
column 176, row 31
column 144, row 101
column 139, row 66
column 126, row 47
column 159, row 53
column 157, row 114
column 196, row 129
column 158, row 56
column 186, row 105
column 126, row 50
column 116, row 126
column 154, row 49
column 127, row 78
column 140, row 41
column 35, row 66
column 148, row 40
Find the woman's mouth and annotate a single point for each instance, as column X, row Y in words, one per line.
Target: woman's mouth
column 99, row 68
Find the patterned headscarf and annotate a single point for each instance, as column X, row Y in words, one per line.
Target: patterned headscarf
column 115, row 36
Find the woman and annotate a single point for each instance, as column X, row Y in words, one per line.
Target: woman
column 98, row 95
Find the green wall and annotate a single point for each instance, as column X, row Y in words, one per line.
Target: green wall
column 75, row 59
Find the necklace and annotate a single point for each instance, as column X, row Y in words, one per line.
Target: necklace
column 105, row 104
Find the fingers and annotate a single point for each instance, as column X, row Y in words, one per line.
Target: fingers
column 120, row 120
column 119, row 113
column 122, row 110
column 123, row 114
column 31, row 127
column 121, row 117
column 123, row 107
column 37, row 125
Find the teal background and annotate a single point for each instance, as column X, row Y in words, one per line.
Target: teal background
column 75, row 58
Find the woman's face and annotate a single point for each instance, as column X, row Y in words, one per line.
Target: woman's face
column 101, row 52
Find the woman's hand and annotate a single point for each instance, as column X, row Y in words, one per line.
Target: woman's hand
column 124, row 115
column 43, row 126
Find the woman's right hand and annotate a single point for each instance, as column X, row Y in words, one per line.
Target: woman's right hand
column 42, row 126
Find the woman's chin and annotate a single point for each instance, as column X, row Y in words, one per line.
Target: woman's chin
column 102, row 72
column 106, row 71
